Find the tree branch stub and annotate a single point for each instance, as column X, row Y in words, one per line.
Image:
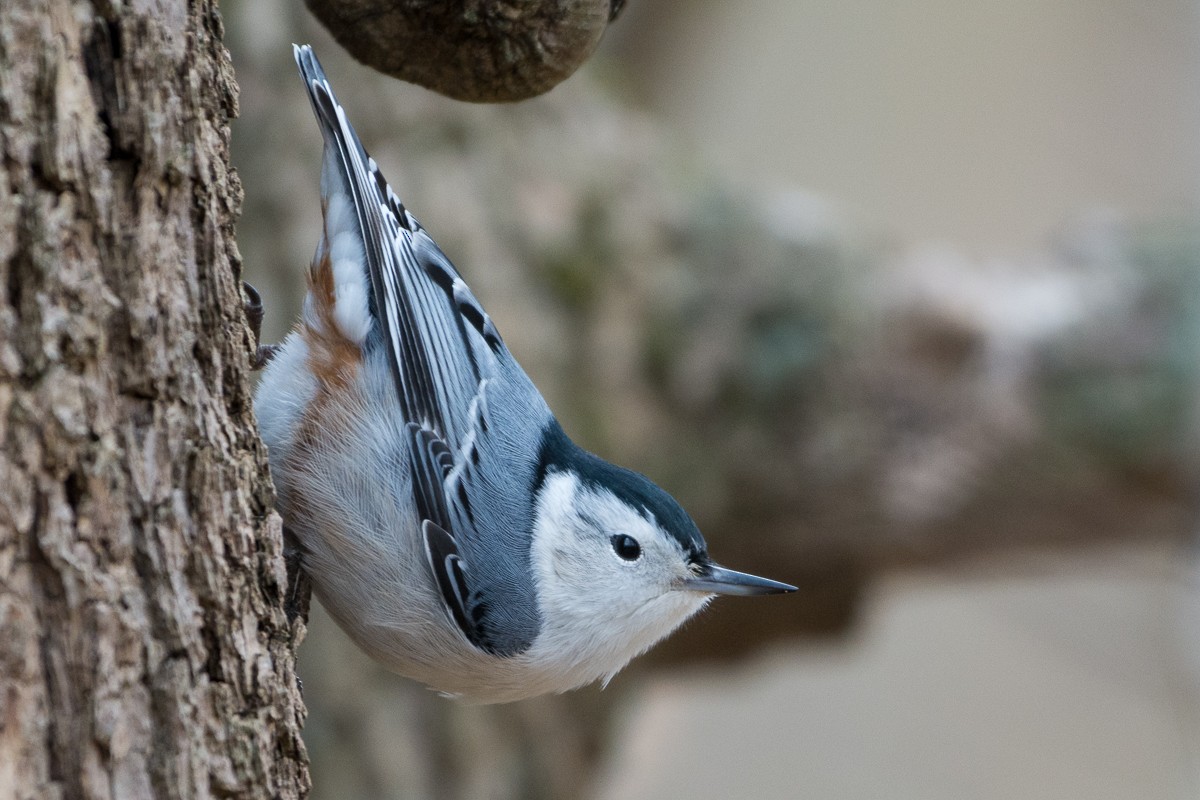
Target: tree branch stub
column 485, row 51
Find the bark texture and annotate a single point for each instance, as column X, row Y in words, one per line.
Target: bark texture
column 144, row 652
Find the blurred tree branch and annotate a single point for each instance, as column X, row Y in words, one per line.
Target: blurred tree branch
column 479, row 50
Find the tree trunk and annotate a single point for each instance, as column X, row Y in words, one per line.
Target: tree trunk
column 144, row 652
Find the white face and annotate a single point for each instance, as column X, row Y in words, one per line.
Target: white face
column 603, row 598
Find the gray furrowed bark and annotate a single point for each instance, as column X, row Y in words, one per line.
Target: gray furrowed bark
column 144, row 652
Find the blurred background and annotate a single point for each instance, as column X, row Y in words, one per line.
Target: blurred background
column 902, row 301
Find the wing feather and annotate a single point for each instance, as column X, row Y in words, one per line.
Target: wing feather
column 446, row 356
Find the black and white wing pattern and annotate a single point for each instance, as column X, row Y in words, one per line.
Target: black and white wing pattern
column 450, row 368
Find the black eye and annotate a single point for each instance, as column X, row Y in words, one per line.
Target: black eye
column 626, row 547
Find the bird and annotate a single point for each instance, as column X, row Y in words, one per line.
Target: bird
column 445, row 519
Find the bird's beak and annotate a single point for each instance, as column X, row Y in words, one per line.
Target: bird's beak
column 715, row 579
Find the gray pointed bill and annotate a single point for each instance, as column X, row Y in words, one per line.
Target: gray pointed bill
column 715, row 579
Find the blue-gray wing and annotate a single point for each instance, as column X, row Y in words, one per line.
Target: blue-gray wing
column 452, row 376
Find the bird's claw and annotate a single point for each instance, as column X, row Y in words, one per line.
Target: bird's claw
column 299, row 589
column 253, row 306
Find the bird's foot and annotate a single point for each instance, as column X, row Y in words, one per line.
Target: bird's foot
column 299, row 589
column 253, row 306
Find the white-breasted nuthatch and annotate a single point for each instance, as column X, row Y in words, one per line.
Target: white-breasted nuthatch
column 446, row 521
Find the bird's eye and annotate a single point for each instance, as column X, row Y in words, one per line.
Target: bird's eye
column 626, row 547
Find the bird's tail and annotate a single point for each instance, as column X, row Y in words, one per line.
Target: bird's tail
column 340, row 310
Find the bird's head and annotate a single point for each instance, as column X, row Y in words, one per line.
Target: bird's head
column 617, row 561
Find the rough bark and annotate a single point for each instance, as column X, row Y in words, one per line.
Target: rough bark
column 144, row 652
